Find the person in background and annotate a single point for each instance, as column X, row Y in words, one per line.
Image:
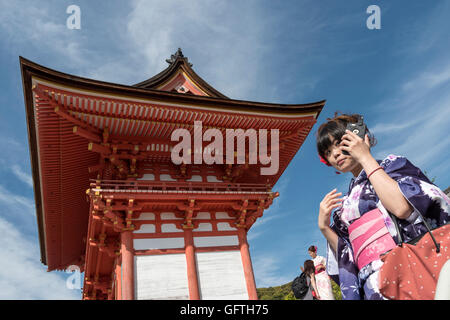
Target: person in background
column 323, row 283
column 309, row 270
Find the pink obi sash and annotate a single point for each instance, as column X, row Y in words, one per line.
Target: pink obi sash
column 369, row 238
column 319, row 268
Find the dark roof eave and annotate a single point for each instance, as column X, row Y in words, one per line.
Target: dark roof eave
column 31, row 130
column 107, row 87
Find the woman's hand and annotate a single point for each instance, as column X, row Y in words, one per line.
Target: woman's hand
column 358, row 148
column 385, row 187
column 329, row 202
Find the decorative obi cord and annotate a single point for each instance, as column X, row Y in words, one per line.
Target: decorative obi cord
column 369, row 238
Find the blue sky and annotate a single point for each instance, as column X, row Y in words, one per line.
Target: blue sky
column 300, row 51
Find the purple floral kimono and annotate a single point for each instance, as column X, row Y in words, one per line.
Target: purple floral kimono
column 423, row 196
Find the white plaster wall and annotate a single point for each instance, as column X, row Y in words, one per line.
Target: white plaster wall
column 161, row 277
column 203, row 215
column 225, row 226
column 147, row 176
column 195, row 178
column 212, row 179
column 222, row 215
column 216, row 241
column 166, row 177
column 147, row 216
column 221, row 276
column 146, row 228
column 204, row 227
column 169, row 227
column 169, row 215
column 158, row 243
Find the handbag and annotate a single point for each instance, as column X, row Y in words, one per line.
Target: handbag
column 410, row 270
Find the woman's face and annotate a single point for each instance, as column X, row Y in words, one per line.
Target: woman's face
column 312, row 254
column 339, row 160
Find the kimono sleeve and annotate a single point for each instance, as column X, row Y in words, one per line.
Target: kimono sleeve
column 342, row 268
column 423, row 196
column 321, row 260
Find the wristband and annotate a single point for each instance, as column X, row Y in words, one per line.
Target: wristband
column 374, row 172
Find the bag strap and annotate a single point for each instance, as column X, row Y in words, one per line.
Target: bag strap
column 397, row 228
column 394, row 219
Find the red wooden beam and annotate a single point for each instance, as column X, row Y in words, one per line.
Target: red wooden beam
column 95, row 147
column 86, row 134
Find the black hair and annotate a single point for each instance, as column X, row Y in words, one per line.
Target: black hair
column 335, row 128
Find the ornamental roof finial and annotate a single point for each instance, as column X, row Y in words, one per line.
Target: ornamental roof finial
column 176, row 55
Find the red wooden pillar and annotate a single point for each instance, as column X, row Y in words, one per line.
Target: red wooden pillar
column 127, row 265
column 194, row 293
column 118, row 279
column 247, row 264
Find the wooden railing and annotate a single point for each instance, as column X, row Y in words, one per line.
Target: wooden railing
column 178, row 186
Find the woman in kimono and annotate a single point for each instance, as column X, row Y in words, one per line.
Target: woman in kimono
column 323, row 283
column 391, row 185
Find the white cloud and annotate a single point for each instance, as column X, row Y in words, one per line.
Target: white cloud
column 392, row 128
column 416, row 125
column 214, row 32
column 12, row 150
column 429, row 79
column 424, row 33
column 231, row 48
column 21, row 175
column 27, row 23
column 267, row 271
column 229, row 43
column 418, row 130
column 23, row 276
column 15, row 205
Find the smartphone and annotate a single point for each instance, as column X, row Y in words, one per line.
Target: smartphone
column 359, row 128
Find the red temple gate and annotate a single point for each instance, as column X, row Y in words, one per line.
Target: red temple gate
column 110, row 200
